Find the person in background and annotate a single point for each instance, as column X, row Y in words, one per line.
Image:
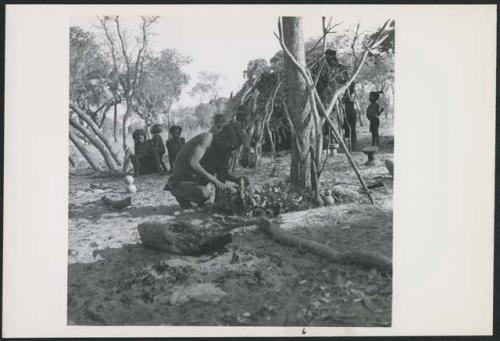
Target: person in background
column 139, row 158
column 174, row 144
column 219, row 121
column 372, row 113
column 351, row 115
column 157, row 149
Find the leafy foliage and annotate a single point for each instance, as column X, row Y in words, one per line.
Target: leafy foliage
column 271, row 200
column 161, row 84
column 89, row 70
column 208, row 85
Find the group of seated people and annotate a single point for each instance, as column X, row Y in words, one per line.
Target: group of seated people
column 148, row 154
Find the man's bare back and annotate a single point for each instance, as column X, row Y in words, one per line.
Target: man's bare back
column 203, row 160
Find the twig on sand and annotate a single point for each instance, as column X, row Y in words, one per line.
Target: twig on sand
column 117, row 204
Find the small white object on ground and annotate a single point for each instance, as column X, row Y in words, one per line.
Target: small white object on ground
column 129, row 180
column 131, row 189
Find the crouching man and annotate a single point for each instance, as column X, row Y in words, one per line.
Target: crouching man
column 205, row 159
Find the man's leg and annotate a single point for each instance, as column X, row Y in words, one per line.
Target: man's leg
column 187, row 192
column 353, row 136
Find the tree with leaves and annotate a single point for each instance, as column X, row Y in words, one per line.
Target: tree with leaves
column 89, row 76
column 160, row 85
column 208, row 86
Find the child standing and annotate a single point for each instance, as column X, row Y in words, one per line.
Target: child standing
column 174, row 144
column 139, row 157
column 158, row 149
column 372, row 113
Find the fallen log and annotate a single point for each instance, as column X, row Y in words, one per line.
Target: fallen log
column 361, row 258
column 117, row 204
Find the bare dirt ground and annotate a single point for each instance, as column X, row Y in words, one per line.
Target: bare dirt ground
column 114, row 280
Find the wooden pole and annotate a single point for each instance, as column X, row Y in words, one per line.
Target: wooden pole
column 344, row 147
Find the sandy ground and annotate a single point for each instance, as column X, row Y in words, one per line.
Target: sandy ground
column 114, row 280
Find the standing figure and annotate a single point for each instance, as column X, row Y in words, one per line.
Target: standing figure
column 140, row 156
column 372, row 113
column 174, row 144
column 157, row 149
column 351, row 116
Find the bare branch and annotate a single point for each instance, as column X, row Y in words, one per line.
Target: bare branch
column 123, row 48
column 110, row 41
column 352, row 46
column 374, row 43
column 329, row 30
column 147, row 22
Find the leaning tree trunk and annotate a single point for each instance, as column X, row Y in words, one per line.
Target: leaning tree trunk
column 115, row 122
column 97, row 143
column 96, row 130
column 297, row 101
column 81, row 148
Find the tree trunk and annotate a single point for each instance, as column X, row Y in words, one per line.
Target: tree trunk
column 97, row 143
column 297, row 101
column 96, row 130
column 115, row 122
column 128, row 113
column 81, row 148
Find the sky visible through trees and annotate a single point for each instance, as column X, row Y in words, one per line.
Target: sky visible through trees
column 223, row 46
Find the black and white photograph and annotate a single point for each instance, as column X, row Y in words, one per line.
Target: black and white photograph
column 233, row 173
column 249, row 170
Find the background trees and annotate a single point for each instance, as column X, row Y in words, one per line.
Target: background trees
column 115, row 70
column 119, row 71
column 208, row 86
column 161, row 83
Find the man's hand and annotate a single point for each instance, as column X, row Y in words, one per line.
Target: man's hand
column 220, row 186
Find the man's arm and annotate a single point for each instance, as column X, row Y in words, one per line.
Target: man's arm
column 223, row 173
column 195, row 158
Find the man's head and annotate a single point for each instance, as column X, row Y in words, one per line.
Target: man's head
column 229, row 137
column 352, row 87
column 139, row 135
column 175, row 131
column 331, row 58
column 374, row 95
column 156, row 129
column 219, row 121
